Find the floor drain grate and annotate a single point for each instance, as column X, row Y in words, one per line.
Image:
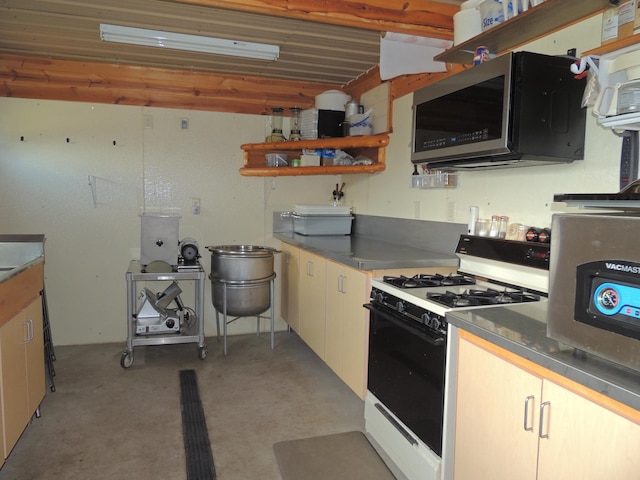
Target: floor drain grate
column 199, row 458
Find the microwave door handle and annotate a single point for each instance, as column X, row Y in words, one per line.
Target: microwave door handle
column 402, row 323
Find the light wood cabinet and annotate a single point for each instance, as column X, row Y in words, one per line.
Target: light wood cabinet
column 347, row 325
column 34, row 354
column 313, row 287
column 585, row 440
column 23, row 382
column 323, row 302
column 22, row 376
column 2, row 454
column 14, row 380
column 515, row 419
column 491, row 396
column 289, row 304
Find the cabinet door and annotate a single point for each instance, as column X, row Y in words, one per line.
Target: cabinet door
column 2, row 451
column 585, row 440
column 289, row 303
column 312, row 301
column 34, row 349
column 347, row 325
column 334, row 338
column 355, row 330
column 491, row 442
column 13, row 335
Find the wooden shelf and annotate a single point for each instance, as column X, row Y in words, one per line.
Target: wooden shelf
column 545, row 18
column 372, row 147
column 617, row 47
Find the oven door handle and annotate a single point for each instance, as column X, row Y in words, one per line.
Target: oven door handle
column 405, row 324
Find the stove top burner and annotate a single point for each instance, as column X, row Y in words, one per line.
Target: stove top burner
column 476, row 297
column 425, row 280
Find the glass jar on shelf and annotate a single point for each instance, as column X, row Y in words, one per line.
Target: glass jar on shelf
column 503, row 225
column 494, row 227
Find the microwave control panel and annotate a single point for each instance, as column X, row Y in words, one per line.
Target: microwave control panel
column 608, row 296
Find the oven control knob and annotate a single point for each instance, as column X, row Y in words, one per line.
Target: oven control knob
column 379, row 297
column 435, row 323
column 400, row 307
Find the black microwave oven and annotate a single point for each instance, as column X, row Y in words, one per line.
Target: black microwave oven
column 519, row 109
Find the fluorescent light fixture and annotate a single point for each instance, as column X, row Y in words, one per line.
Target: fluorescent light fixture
column 192, row 43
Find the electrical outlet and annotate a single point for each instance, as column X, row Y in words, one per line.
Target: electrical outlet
column 184, row 123
column 148, row 121
column 195, row 206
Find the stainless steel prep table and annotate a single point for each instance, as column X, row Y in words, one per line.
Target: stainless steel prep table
column 135, row 274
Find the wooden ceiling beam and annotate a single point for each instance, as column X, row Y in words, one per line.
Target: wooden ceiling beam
column 39, row 77
column 417, row 17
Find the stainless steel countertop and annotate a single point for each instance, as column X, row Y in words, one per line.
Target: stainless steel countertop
column 365, row 253
column 18, row 253
column 522, row 329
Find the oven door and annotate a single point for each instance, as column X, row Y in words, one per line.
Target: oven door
column 406, row 372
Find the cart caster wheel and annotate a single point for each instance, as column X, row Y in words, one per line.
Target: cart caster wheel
column 52, row 388
column 202, row 352
column 126, row 360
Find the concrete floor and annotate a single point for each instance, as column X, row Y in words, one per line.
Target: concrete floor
column 104, row 422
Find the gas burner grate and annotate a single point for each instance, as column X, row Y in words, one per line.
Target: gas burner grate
column 478, row 297
column 426, row 280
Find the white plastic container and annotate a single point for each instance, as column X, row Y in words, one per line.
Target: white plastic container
column 467, row 23
column 361, row 124
column 322, row 224
column 332, row 100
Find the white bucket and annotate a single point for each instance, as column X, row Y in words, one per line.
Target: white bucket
column 467, row 23
column 332, row 100
column 361, row 124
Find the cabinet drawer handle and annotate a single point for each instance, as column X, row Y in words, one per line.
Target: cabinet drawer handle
column 310, row 269
column 341, row 279
column 26, row 339
column 29, row 325
column 543, row 407
column 527, row 402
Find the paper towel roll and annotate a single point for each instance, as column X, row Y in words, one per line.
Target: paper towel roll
column 473, row 218
column 467, row 24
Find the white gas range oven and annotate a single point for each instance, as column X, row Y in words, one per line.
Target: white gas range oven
column 408, row 349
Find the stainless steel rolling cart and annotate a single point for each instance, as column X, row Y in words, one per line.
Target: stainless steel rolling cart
column 187, row 333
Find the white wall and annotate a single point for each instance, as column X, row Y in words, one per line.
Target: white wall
column 44, row 189
column 524, row 194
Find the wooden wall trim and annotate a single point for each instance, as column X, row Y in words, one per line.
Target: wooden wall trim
column 405, row 84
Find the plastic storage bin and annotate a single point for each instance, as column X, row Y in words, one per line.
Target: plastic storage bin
column 322, row 224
